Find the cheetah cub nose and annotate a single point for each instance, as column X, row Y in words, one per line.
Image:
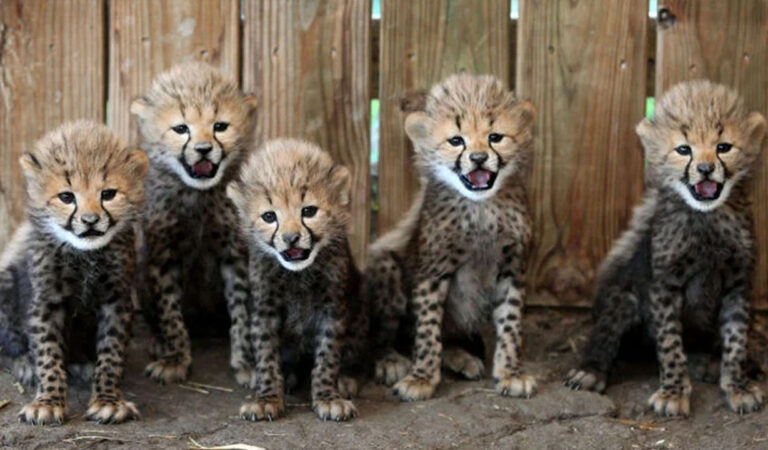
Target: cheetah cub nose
column 90, row 218
column 203, row 148
column 290, row 238
column 478, row 157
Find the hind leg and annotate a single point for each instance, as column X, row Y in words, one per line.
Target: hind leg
column 462, row 362
column 615, row 314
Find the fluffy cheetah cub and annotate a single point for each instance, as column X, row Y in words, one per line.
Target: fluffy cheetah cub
column 195, row 124
column 294, row 208
column 459, row 256
column 681, row 273
column 67, row 275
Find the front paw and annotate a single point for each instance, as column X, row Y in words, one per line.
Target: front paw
column 411, row 389
column 245, row 377
column 743, row 398
column 43, row 413
column 585, row 380
column 168, row 370
column 111, row 411
column 347, row 386
column 392, row 368
column 463, row 363
column 670, row 402
column 266, row 408
column 338, row 409
column 516, row 386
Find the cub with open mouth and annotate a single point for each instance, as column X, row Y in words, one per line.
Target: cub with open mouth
column 294, row 209
column 195, row 125
column 67, row 275
column 457, row 260
column 680, row 275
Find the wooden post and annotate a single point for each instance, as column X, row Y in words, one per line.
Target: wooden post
column 583, row 64
column 51, row 71
column 309, row 64
column 725, row 42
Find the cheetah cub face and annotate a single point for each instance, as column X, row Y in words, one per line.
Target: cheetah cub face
column 472, row 135
column 701, row 142
column 293, row 201
column 83, row 185
column 195, row 122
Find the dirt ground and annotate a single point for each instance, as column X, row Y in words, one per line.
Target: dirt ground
column 463, row 414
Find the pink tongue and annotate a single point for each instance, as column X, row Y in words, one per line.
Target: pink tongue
column 479, row 178
column 294, row 252
column 706, row 189
column 203, row 168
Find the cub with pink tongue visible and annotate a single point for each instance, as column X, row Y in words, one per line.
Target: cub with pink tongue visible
column 195, row 125
column 681, row 272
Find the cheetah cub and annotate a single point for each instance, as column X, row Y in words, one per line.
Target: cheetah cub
column 195, row 125
column 459, row 255
column 67, row 275
column 294, row 208
column 680, row 275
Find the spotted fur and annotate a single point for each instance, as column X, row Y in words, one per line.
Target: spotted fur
column 67, row 276
column 195, row 125
column 458, row 257
column 294, row 209
column 680, row 275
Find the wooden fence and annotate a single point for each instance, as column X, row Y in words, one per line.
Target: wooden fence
column 316, row 64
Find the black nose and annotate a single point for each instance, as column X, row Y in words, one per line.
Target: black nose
column 478, row 157
column 705, row 168
column 90, row 218
column 290, row 238
column 203, row 148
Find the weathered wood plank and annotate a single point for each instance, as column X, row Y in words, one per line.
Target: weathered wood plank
column 726, row 42
column 148, row 37
column 51, row 71
column 421, row 43
column 583, row 64
column 309, row 64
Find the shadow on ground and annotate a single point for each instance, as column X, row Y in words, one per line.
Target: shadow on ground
column 462, row 415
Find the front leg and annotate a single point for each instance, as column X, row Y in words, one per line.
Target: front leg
column 107, row 404
column 267, row 380
column 741, row 395
column 164, row 272
column 673, row 396
column 326, row 401
column 428, row 301
column 507, row 373
column 234, row 264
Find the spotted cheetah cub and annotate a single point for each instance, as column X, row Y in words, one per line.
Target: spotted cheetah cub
column 195, row 125
column 67, row 275
column 459, row 255
column 681, row 273
column 294, row 208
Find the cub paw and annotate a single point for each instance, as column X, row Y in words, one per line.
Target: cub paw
column 392, row 368
column 245, row 377
column 110, row 411
column 585, row 380
column 24, row 370
column 411, row 389
column 338, row 409
column 167, row 370
column 347, row 387
column 43, row 413
column 670, row 402
column 744, row 399
column 463, row 363
column 516, row 386
column 267, row 408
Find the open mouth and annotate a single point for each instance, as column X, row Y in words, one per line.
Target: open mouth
column 706, row 190
column 202, row 169
column 478, row 179
column 90, row 233
column 295, row 254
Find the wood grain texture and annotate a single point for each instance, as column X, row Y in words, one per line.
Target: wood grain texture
column 421, row 43
column 726, row 42
column 309, row 64
column 583, row 64
column 147, row 37
column 51, row 71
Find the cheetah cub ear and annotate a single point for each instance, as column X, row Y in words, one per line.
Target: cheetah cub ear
column 418, row 127
column 251, row 103
column 137, row 162
column 235, row 193
column 341, row 185
column 755, row 130
column 140, row 107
